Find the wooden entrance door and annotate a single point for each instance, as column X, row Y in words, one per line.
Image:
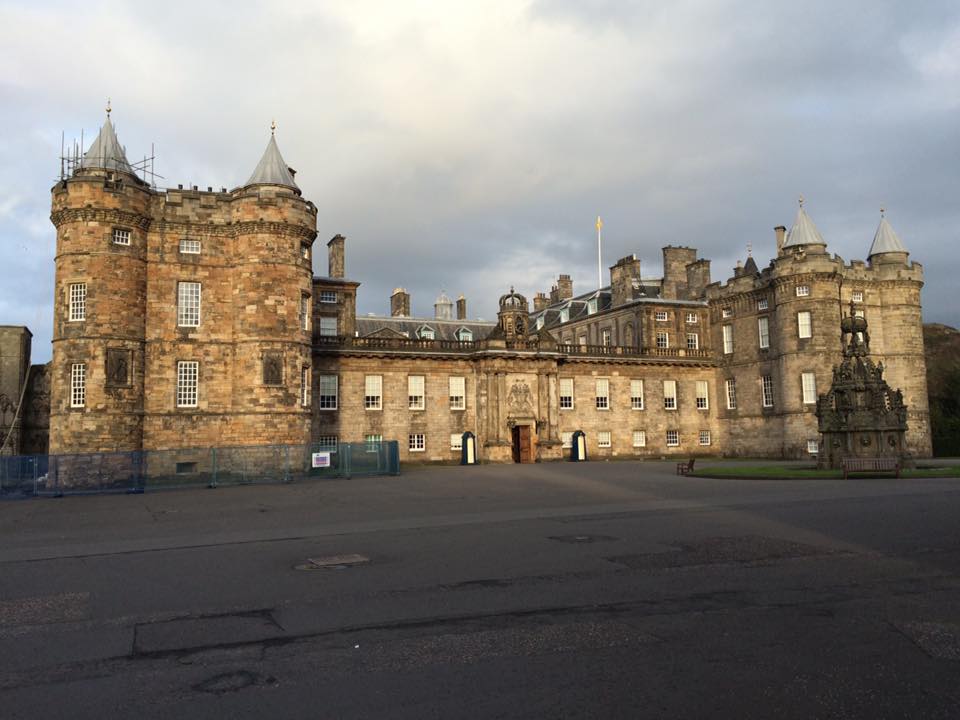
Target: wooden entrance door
column 522, row 444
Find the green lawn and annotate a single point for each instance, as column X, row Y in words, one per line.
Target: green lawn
column 790, row 472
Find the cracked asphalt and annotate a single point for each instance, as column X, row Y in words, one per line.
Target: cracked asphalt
column 599, row 590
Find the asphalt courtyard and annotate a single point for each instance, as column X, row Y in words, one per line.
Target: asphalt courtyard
column 594, row 590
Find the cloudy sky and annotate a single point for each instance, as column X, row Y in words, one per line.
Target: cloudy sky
column 470, row 146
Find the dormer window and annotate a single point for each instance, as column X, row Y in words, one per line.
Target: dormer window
column 591, row 306
column 564, row 315
column 465, row 335
column 426, row 333
column 540, row 323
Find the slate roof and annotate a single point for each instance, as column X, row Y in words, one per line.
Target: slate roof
column 886, row 240
column 272, row 170
column 106, row 152
column 386, row 326
column 804, row 232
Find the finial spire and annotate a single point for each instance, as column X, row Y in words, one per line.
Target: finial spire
column 273, row 127
column 801, row 201
column 882, row 211
column 749, row 249
column 108, row 107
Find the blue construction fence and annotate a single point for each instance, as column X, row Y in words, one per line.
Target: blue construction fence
column 139, row 471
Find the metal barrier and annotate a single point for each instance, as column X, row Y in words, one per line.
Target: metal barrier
column 138, row 471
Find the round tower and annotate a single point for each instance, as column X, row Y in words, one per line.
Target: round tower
column 101, row 211
column 275, row 229
column 513, row 315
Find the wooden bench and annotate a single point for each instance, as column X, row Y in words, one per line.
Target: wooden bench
column 685, row 468
column 870, row 464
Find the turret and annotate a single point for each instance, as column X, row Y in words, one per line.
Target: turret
column 886, row 247
column 804, row 236
column 513, row 315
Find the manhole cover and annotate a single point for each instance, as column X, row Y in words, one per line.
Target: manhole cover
column 582, row 538
column 333, row 562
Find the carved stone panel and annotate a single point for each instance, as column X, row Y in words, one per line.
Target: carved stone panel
column 119, row 367
column 272, row 369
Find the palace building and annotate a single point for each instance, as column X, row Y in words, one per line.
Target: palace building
column 192, row 318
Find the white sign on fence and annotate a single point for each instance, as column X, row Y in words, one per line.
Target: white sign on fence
column 321, row 459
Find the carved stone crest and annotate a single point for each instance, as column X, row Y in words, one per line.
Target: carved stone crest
column 520, row 399
column 272, row 369
column 119, row 362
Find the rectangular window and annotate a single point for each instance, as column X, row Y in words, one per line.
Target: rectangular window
column 458, row 393
column 305, row 386
column 603, row 439
column 804, row 324
column 605, row 337
column 808, row 383
column 540, row 322
column 327, row 443
column 121, row 237
column 416, row 442
column 669, row 394
column 727, row 339
column 858, row 295
column 189, row 247
column 373, row 392
column 673, row 438
column 304, row 312
column 566, row 393
column 582, row 341
column 188, row 304
column 704, row 437
column 803, row 290
column 456, row 441
column 373, row 442
column 564, row 315
column 661, row 316
column 731, row 394
column 763, row 331
column 692, row 318
column 693, row 341
column 727, row 313
column 415, row 392
column 566, row 438
column 78, row 302
column 663, row 339
column 591, row 306
column 188, row 372
column 762, row 304
column 305, row 252
column 603, row 394
column 327, row 392
column 636, row 394
column 328, row 296
column 703, row 401
column 766, row 389
column 639, row 438
column 78, row 385
column 328, row 327
column 813, row 446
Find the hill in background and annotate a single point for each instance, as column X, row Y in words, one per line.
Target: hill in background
column 942, row 348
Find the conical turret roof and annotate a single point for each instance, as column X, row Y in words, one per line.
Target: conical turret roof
column 804, row 232
column 272, row 170
column 106, row 152
column 886, row 240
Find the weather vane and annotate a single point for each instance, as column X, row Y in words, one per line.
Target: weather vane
column 273, row 127
column 108, row 107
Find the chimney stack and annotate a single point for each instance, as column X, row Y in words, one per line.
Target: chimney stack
column 400, row 303
column 335, row 256
column 564, row 287
column 461, row 308
column 781, row 232
column 540, row 301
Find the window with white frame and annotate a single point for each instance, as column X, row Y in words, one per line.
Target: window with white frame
column 704, row 437
column 703, row 400
column 373, row 392
column 327, row 392
column 539, row 322
column 603, row 439
column 328, row 327
column 605, row 337
column 727, row 339
column 566, row 393
column 639, row 438
column 603, row 394
column 427, row 333
column 636, row 394
column 305, row 252
column 731, row 394
column 189, row 246
column 804, row 324
column 327, row 443
column 858, row 295
column 660, row 316
column 663, row 339
column 77, row 302
column 727, row 313
column 415, row 392
column 458, row 393
column 813, row 446
column 673, row 438
column 566, row 439
column 188, row 304
column 121, row 236
column 188, row 372
column 762, row 304
column 564, row 315
column 456, row 441
column 766, row 391
column 328, row 296
column 669, row 394
column 808, row 385
column 373, row 442
column 763, row 331
column 591, row 306
column 416, row 442
column 465, row 335
column 78, row 385
column 305, row 386
column 693, row 341
column 803, row 290
column 304, row 312
column 692, row 318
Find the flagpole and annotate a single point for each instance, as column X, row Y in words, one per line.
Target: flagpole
column 599, row 255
